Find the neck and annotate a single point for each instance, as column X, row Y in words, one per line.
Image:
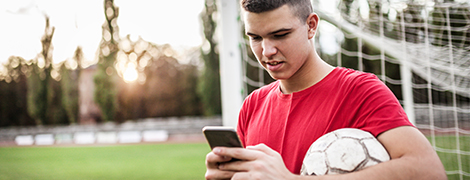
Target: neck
column 311, row 73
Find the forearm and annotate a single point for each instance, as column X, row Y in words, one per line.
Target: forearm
column 412, row 157
column 400, row 168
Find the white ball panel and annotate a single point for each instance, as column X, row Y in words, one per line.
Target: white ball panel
column 316, row 163
column 369, row 163
column 345, row 154
column 354, row 133
column 376, row 150
column 343, row 151
column 323, row 142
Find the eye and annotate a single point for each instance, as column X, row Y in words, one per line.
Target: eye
column 255, row 38
column 281, row 35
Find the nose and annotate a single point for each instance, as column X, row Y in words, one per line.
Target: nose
column 269, row 48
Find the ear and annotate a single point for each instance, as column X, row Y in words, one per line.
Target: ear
column 312, row 21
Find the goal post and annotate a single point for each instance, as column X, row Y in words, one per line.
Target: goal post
column 230, row 61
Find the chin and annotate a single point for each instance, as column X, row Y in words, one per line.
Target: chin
column 278, row 78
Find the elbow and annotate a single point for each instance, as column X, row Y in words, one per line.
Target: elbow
column 433, row 169
column 440, row 173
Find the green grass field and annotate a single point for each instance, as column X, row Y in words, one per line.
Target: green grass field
column 450, row 160
column 145, row 161
column 156, row 161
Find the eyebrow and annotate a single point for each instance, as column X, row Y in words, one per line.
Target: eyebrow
column 280, row 30
column 274, row 32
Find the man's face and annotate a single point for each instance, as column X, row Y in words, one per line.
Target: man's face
column 279, row 40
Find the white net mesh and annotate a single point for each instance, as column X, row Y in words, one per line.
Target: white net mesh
column 420, row 49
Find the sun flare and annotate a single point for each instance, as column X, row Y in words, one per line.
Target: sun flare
column 130, row 75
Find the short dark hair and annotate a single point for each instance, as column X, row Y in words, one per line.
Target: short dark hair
column 301, row 8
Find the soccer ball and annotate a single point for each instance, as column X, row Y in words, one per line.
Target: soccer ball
column 343, row 151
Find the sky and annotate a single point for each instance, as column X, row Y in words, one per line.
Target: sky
column 78, row 23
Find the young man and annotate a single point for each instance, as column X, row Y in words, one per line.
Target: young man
column 280, row 121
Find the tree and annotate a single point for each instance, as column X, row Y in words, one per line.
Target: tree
column 69, row 85
column 39, row 90
column 209, row 82
column 13, row 89
column 105, row 77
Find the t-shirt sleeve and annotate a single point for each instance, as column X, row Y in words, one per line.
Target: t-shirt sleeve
column 378, row 108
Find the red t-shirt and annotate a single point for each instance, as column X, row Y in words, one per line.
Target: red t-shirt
column 290, row 123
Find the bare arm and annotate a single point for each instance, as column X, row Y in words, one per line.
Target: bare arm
column 412, row 157
column 411, row 153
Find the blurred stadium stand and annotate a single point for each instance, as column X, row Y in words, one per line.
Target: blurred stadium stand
column 139, row 131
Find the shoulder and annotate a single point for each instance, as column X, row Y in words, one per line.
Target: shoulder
column 377, row 108
column 361, row 86
column 258, row 96
column 351, row 75
column 262, row 92
column 353, row 80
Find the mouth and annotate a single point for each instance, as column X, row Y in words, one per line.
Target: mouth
column 273, row 63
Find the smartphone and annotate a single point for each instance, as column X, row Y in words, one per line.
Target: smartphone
column 221, row 136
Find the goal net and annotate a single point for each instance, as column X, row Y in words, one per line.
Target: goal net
column 419, row 48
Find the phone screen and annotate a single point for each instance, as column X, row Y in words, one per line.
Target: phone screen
column 221, row 136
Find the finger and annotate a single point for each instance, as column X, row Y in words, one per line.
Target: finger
column 218, row 174
column 213, row 160
column 236, row 166
column 263, row 148
column 212, row 163
column 238, row 153
column 241, row 176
